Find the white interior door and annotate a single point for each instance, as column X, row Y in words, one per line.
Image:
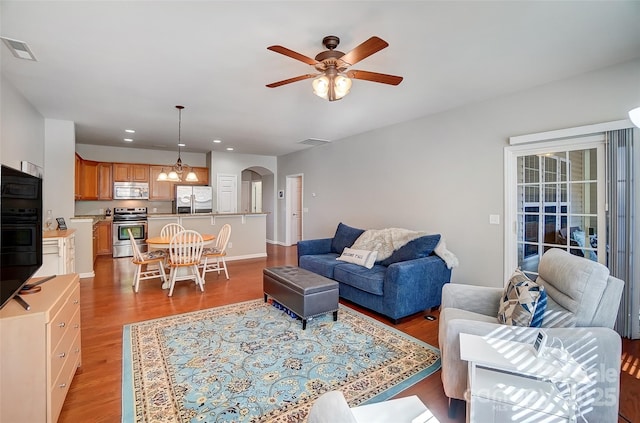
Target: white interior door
column 294, row 209
column 227, row 193
column 256, row 196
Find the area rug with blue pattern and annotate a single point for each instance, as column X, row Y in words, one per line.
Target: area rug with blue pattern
column 251, row 362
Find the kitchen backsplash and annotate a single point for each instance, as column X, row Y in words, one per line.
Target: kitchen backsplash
column 94, row 208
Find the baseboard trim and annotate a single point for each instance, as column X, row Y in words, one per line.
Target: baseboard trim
column 246, row 256
column 87, row 274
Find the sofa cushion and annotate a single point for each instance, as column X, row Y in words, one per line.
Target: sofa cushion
column 556, row 316
column 368, row 280
column 345, row 237
column 415, row 249
column 321, row 264
column 523, row 302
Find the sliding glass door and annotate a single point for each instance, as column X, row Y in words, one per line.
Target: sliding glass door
column 556, row 199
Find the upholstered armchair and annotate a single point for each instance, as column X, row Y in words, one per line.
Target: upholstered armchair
column 332, row 407
column 582, row 306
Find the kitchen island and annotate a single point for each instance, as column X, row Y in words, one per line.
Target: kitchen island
column 248, row 230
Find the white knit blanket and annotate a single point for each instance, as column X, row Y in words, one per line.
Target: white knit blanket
column 385, row 241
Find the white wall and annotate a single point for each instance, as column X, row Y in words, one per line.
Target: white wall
column 444, row 173
column 59, row 174
column 21, row 128
column 232, row 163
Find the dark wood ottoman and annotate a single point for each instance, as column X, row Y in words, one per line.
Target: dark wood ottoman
column 305, row 293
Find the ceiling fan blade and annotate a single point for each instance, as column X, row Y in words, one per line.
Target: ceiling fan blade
column 364, row 50
column 375, row 77
column 290, row 80
column 293, row 55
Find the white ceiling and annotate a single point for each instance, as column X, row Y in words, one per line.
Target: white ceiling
column 112, row 65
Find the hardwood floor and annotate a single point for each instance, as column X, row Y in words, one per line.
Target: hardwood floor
column 108, row 302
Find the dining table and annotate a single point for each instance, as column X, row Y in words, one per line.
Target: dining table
column 163, row 242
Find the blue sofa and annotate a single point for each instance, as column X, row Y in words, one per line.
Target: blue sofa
column 408, row 282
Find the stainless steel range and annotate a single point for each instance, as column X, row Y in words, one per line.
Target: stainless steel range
column 134, row 218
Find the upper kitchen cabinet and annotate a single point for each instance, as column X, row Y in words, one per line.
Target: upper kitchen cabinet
column 105, row 181
column 159, row 190
column 203, row 176
column 86, row 179
column 127, row 172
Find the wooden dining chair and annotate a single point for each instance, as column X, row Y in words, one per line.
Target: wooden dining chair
column 142, row 262
column 170, row 229
column 213, row 258
column 185, row 252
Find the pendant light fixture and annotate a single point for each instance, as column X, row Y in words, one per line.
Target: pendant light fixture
column 177, row 170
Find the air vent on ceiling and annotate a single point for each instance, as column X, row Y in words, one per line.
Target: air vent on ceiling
column 314, row 142
column 19, row 49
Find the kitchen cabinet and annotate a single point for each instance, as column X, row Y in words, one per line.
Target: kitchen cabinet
column 58, row 253
column 159, row 190
column 130, row 172
column 104, row 242
column 86, row 180
column 203, row 176
column 40, row 351
column 77, row 176
column 105, row 181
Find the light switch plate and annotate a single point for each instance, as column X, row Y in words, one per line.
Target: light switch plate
column 494, row 219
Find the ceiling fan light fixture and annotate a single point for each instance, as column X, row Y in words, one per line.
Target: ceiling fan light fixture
column 321, row 86
column 342, row 86
column 331, row 87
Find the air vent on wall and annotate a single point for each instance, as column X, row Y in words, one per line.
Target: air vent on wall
column 19, row 49
column 314, row 142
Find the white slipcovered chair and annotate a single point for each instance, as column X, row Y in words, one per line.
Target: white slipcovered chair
column 580, row 291
column 332, row 407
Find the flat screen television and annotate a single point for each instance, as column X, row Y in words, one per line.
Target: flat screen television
column 21, row 222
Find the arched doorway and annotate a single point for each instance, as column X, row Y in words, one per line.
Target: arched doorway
column 257, row 194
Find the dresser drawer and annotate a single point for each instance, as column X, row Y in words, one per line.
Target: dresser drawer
column 60, row 386
column 61, row 322
column 63, row 350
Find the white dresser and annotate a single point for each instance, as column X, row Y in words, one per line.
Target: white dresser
column 58, row 253
column 39, row 351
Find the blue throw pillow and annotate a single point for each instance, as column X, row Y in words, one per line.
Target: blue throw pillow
column 345, row 237
column 415, row 249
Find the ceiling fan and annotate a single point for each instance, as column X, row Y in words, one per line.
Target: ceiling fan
column 334, row 80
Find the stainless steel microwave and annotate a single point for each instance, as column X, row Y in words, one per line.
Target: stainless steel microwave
column 130, row 190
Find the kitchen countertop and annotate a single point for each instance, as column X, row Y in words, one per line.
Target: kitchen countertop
column 94, row 217
column 152, row 215
column 57, row 233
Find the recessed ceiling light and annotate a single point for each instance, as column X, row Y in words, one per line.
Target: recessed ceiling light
column 217, row 141
column 181, row 144
column 229, row 148
column 131, row 131
column 128, row 139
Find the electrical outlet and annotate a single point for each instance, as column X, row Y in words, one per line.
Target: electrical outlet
column 230, row 245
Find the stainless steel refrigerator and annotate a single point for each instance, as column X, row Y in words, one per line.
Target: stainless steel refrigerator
column 193, row 199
